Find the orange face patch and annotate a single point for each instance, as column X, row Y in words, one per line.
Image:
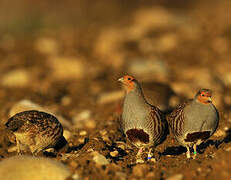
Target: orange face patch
column 128, row 82
column 204, row 97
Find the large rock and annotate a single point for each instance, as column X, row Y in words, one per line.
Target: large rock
column 30, row 167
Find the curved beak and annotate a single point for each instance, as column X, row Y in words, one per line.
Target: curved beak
column 121, row 79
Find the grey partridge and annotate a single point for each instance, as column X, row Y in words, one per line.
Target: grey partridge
column 142, row 123
column 36, row 131
column 194, row 121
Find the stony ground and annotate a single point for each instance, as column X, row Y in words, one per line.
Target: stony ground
column 68, row 63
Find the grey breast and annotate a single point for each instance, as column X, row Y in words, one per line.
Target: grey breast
column 135, row 112
column 200, row 117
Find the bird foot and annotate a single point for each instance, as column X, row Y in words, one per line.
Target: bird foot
column 19, row 153
column 140, row 151
column 194, row 154
column 149, row 156
column 188, row 154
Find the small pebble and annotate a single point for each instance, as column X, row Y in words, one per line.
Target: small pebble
column 176, row 177
column 103, row 132
column 99, row 158
column 228, row 149
column 226, row 128
column 121, row 146
column 76, row 177
column 47, row 45
column 153, row 160
column 66, row 100
column 83, row 133
column 91, row 124
column 82, row 118
column 81, row 140
column 106, row 138
column 114, row 153
column 139, row 161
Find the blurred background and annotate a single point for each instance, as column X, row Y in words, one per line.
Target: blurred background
column 166, row 41
column 68, row 55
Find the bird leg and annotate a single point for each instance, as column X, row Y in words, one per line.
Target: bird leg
column 18, row 146
column 140, row 151
column 139, row 155
column 194, row 151
column 188, row 152
column 150, row 154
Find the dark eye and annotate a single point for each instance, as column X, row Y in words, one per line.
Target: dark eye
column 202, row 95
column 129, row 78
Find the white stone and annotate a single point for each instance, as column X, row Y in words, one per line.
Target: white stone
column 228, row 149
column 114, row 153
column 26, row 167
column 83, row 133
column 47, row 45
column 99, row 158
column 84, row 115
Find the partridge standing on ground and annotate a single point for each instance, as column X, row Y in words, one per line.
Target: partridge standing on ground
column 36, row 131
column 142, row 123
column 194, row 121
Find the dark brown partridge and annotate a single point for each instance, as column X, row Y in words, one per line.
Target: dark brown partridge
column 194, row 121
column 142, row 123
column 36, row 131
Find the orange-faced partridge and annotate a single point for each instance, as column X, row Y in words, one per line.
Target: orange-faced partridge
column 36, row 131
column 194, row 121
column 142, row 123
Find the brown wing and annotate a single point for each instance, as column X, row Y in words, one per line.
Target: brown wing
column 176, row 118
column 159, row 124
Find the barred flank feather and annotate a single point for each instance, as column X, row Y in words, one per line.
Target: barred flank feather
column 176, row 119
column 194, row 121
